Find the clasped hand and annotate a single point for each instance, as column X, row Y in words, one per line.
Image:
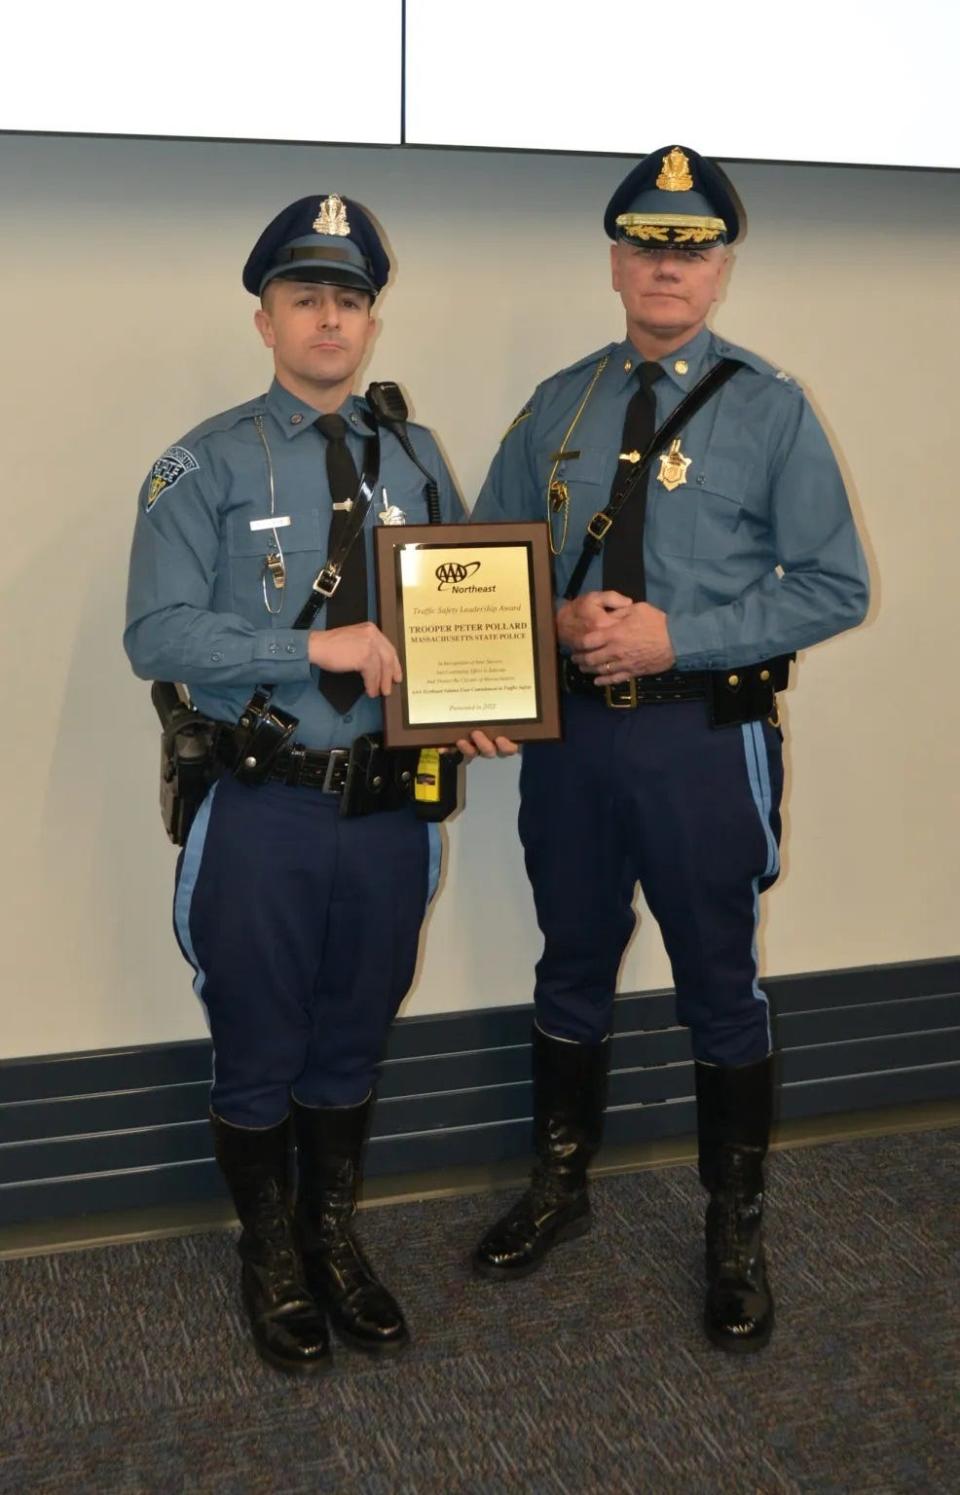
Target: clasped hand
column 609, row 635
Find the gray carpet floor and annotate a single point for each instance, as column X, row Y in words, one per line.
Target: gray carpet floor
column 128, row 1368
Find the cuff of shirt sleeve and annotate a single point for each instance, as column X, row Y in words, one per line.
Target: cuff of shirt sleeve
column 287, row 646
column 695, row 641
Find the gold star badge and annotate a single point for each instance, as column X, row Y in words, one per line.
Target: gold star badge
column 681, row 366
column 673, row 467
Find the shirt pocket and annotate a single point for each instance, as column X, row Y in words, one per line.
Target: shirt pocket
column 303, row 547
column 700, row 517
column 720, row 510
column 586, row 480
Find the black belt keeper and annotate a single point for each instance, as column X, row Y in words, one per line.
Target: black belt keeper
column 746, row 693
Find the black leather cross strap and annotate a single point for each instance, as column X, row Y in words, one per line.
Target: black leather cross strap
column 348, row 601
column 327, row 579
column 623, row 552
column 601, row 522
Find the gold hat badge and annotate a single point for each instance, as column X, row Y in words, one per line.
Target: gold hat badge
column 675, row 172
column 332, row 217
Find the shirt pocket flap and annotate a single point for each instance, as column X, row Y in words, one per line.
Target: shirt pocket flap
column 302, row 533
column 588, row 466
column 723, row 476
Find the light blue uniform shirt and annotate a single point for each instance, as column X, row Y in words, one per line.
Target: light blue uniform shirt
column 195, row 607
column 762, row 492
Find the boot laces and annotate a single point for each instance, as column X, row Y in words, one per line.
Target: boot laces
column 547, row 1192
column 736, row 1210
column 276, row 1250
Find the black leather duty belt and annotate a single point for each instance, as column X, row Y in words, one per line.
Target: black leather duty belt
column 744, row 693
column 365, row 777
column 642, row 690
column 308, row 768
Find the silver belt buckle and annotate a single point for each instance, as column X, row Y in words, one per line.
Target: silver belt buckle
column 337, row 756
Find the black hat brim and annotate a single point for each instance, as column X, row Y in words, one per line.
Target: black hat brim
column 332, row 275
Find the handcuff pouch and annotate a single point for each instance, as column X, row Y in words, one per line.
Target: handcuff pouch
column 747, row 693
column 261, row 733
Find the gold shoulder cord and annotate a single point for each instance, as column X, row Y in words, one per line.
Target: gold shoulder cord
column 558, row 498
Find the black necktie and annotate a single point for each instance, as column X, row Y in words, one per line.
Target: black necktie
column 623, row 547
column 349, row 602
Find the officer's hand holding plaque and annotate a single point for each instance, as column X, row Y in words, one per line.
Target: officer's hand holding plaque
column 469, row 609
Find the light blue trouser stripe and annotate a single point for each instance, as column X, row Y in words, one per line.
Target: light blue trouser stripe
column 434, row 858
column 758, row 773
column 189, row 872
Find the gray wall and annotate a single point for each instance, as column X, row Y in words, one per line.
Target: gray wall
column 126, row 324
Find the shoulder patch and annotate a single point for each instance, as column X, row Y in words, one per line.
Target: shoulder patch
column 517, row 419
column 167, row 471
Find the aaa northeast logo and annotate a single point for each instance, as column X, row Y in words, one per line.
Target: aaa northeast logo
column 452, row 575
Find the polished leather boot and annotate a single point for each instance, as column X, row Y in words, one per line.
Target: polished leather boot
column 330, row 1143
column 289, row 1330
column 569, row 1091
column 734, row 1108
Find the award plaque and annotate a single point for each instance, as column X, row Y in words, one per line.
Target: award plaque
column 469, row 610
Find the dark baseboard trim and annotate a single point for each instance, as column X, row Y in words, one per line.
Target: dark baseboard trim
column 123, row 1129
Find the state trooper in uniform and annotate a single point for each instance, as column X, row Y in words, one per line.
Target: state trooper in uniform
column 736, row 549
column 300, row 921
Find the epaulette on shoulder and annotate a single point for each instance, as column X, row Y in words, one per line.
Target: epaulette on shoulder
column 226, row 420
column 755, row 362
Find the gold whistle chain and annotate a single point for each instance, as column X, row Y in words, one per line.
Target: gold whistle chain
column 565, row 502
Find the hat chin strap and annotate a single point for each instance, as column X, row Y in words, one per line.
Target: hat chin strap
column 333, row 275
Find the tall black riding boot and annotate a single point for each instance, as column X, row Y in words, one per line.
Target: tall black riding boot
column 569, row 1092
column 330, row 1143
column 289, row 1330
column 733, row 1118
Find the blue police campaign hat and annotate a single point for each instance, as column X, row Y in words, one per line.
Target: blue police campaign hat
column 674, row 197
column 326, row 239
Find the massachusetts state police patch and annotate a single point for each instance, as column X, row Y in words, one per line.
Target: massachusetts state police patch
column 167, row 471
column 527, row 410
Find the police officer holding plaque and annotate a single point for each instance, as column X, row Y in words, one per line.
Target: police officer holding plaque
column 701, row 535
column 313, row 852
